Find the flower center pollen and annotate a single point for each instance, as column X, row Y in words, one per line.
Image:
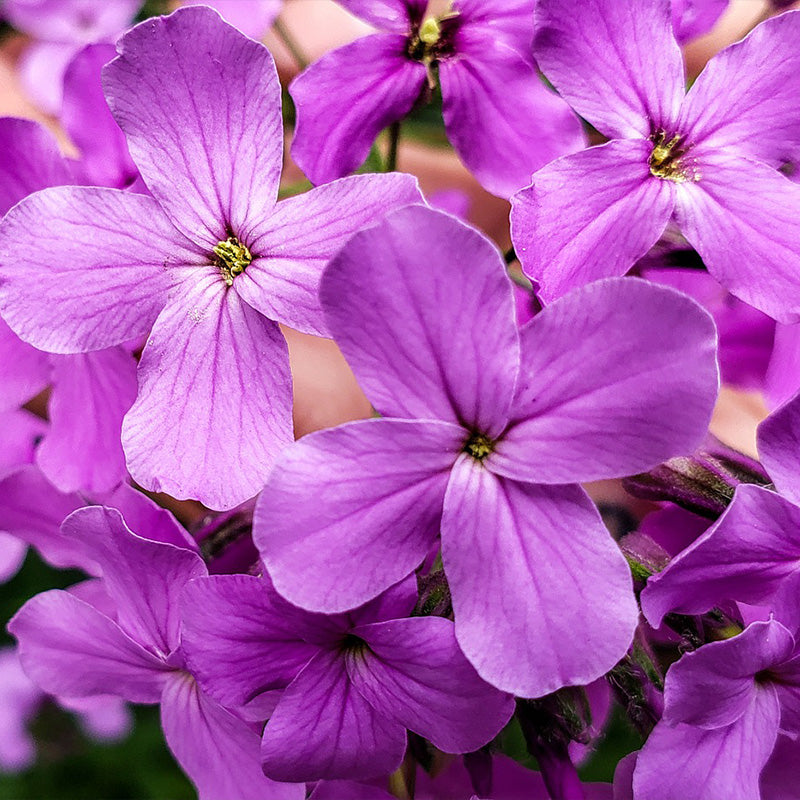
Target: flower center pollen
column 667, row 159
column 233, row 258
column 478, row 446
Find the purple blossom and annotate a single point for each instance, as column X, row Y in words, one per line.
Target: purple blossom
column 349, row 685
column 121, row 636
column 208, row 262
column 753, row 547
column 62, row 27
column 707, row 158
column 725, row 705
column 252, row 17
column 693, row 18
column 499, row 116
column 487, row 432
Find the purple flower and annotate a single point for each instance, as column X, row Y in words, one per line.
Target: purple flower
column 487, row 432
column 693, row 18
column 121, row 636
column 350, row 684
column 62, row 27
column 499, row 116
column 708, row 157
column 724, row 707
column 208, row 262
column 753, row 547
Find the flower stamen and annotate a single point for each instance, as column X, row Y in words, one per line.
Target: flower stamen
column 667, row 159
column 479, row 446
column 232, row 258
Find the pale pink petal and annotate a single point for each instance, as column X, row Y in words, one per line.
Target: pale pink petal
column 528, row 566
column 590, row 215
column 252, row 17
column 200, row 106
column 100, row 270
column 214, row 404
column 41, row 72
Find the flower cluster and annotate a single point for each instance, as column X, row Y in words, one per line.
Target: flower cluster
column 368, row 508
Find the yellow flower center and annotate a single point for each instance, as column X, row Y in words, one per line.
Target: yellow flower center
column 478, row 446
column 233, row 258
column 668, row 159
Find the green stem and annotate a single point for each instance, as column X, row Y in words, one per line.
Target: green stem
column 291, row 44
column 394, row 141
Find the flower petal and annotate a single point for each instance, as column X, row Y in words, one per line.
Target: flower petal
column 143, row 577
column 502, row 120
column 693, row 18
column 218, row 751
column 743, row 218
column 377, row 486
column 69, row 648
column 241, row 640
column 606, row 387
column 30, row 161
column 589, row 215
column 215, row 397
column 745, row 100
column 426, row 343
column 779, row 448
column 528, row 566
column 714, row 685
column 297, row 241
column 686, row 761
column 98, row 273
column 199, row 103
column 391, row 15
column 24, row 370
column 324, row 728
column 346, row 98
column 744, row 556
column 416, row 675
column 91, row 393
column 618, row 65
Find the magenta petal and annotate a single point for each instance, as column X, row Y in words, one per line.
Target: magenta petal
column 510, row 21
column 295, row 243
column 144, row 578
column 69, row 648
column 779, row 777
column 502, row 120
column 391, row 15
column 744, row 556
column 528, row 566
column 779, row 448
column 218, row 751
column 693, row 18
column 324, row 728
column 12, row 556
column 589, row 215
column 20, row 434
column 199, row 103
column 745, row 100
column 618, row 65
column 416, row 675
column 24, row 370
column 715, row 685
column 30, row 161
column 215, row 395
column 685, row 761
column 32, row 509
column 105, row 160
column 252, row 17
column 241, row 640
column 743, row 217
column 606, row 387
column 97, row 276
column 378, row 487
column 91, row 393
column 455, row 358
column 347, row 98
